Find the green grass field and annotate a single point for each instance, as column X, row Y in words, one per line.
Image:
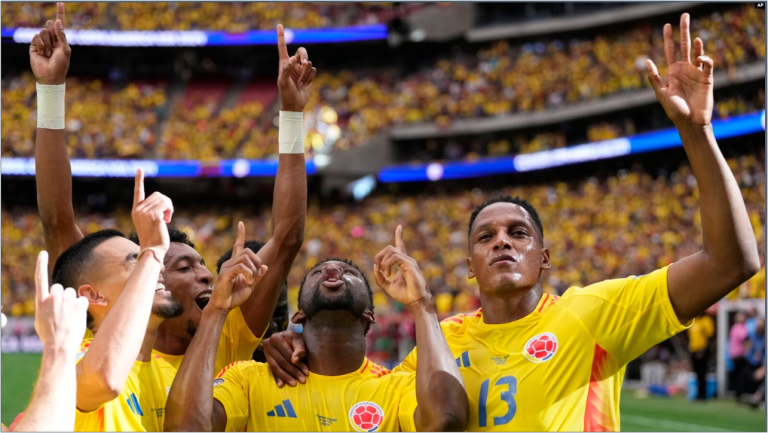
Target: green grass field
column 17, row 376
column 643, row 415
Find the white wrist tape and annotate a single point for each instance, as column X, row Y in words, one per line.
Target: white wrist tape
column 290, row 136
column 50, row 106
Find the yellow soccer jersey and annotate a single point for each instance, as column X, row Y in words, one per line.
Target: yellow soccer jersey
column 237, row 343
column 358, row 401
column 561, row 367
column 141, row 405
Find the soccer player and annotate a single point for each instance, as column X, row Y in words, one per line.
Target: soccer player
column 535, row 362
column 344, row 393
column 280, row 317
column 60, row 323
column 186, row 276
column 121, row 384
column 127, row 302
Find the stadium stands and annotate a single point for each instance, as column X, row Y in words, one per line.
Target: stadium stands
column 590, row 227
column 231, row 17
column 350, row 107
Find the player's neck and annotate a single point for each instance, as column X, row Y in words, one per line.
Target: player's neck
column 335, row 344
column 169, row 342
column 145, row 354
column 507, row 307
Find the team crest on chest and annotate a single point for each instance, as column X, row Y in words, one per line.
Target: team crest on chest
column 366, row 416
column 541, row 347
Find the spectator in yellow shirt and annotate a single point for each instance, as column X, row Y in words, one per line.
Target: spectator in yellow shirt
column 699, row 333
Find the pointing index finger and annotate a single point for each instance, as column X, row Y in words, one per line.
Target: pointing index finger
column 41, row 276
column 282, row 49
column 399, row 239
column 239, row 240
column 138, row 188
column 60, row 12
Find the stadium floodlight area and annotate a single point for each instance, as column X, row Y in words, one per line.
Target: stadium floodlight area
column 657, row 140
column 647, row 142
column 198, row 38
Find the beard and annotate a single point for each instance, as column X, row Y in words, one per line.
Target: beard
column 167, row 310
column 345, row 301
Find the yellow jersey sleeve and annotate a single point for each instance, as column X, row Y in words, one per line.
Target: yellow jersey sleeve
column 449, row 326
column 408, row 404
column 626, row 316
column 237, row 342
column 408, row 365
column 231, row 389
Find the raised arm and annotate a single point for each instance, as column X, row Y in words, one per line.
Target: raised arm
column 289, row 203
column 104, row 369
column 442, row 398
column 60, row 322
column 729, row 254
column 49, row 56
column 190, row 405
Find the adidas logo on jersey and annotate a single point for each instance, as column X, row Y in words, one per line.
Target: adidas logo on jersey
column 283, row 410
column 463, row 360
column 133, row 403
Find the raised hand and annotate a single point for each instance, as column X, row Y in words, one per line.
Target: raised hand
column 295, row 75
column 150, row 217
column 687, row 95
column 49, row 52
column 238, row 276
column 60, row 315
column 407, row 286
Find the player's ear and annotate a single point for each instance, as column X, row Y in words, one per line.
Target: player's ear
column 368, row 316
column 93, row 297
column 470, row 269
column 545, row 262
column 299, row 318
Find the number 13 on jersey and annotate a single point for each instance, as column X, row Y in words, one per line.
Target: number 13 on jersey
column 507, row 396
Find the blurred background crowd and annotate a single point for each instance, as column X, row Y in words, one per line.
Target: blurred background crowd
column 213, row 119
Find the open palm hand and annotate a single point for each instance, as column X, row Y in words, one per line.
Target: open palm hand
column 687, row 94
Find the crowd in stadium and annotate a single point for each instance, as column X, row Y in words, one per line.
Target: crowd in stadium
column 589, row 227
column 136, row 122
column 230, row 17
column 125, row 123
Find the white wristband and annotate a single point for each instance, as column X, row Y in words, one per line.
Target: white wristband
column 50, row 106
column 290, row 136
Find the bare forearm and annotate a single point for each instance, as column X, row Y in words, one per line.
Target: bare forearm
column 289, row 211
column 52, row 407
column 729, row 254
column 725, row 224
column 118, row 340
column 53, row 175
column 190, row 402
column 442, row 399
column 289, row 205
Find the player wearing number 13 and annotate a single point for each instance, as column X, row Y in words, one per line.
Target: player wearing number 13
column 535, row 362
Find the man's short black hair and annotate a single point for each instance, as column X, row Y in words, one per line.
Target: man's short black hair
column 77, row 259
column 349, row 262
column 72, row 264
column 508, row 199
column 174, row 233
